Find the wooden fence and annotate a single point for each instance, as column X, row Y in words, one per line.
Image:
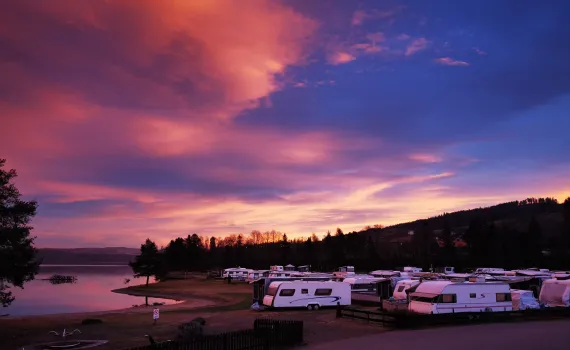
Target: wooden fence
column 369, row 316
column 266, row 334
column 411, row 320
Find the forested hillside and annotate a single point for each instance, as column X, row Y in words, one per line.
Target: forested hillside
column 532, row 232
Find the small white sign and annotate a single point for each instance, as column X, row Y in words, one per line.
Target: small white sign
column 155, row 314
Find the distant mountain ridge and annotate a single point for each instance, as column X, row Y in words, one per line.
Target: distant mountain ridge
column 87, row 256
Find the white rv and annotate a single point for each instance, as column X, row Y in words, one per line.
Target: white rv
column 254, row 275
column 401, row 288
column 363, row 283
column 309, row 294
column 555, row 293
column 289, row 268
column 237, row 273
column 276, row 268
column 439, row 297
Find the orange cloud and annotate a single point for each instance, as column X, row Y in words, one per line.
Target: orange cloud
column 416, row 46
column 341, row 57
column 447, row 61
column 425, row 158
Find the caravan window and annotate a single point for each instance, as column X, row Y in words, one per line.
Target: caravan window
column 304, row 291
column 322, row 291
column 287, row 292
column 472, row 295
column 503, row 297
column 448, row 298
column 401, row 289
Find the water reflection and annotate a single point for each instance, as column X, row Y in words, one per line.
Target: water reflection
column 90, row 292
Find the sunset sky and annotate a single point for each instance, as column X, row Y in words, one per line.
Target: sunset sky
column 136, row 119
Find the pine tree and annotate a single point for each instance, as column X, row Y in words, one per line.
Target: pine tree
column 148, row 263
column 18, row 262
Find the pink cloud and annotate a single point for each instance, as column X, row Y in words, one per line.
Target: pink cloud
column 447, row 61
column 479, row 51
column 416, row 46
column 403, row 36
column 425, row 158
column 340, row 57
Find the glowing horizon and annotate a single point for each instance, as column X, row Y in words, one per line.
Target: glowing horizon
column 127, row 121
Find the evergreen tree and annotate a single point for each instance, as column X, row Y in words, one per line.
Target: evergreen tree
column 533, row 251
column 18, row 262
column 448, row 243
column 149, row 262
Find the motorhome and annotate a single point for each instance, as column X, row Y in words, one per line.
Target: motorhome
column 276, row 273
column 308, row 294
column 445, row 270
column 254, row 275
column 555, row 293
column 343, row 272
column 402, row 287
column 237, row 273
column 289, row 268
column 438, row 297
column 363, row 283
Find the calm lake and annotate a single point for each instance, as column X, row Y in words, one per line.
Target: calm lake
column 91, row 291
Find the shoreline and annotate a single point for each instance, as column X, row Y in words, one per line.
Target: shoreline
column 184, row 301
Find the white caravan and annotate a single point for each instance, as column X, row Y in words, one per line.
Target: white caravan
column 254, row 275
column 289, row 268
column 440, row 297
column 237, row 273
column 363, row 283
column 276, row 268
column 309, row 294
column 524, row 299
column 555, row 293
column 401, row 288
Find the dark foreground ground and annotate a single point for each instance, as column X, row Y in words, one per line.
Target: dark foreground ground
column 543, row 335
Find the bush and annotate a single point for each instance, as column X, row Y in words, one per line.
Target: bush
column 91, row 321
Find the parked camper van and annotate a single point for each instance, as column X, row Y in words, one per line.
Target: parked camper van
column 309, row 294
column 555, row 293
column 289, row 268
column 254, row 275
column 438, row 297
column 276, row 268
column 363, row 283
column 402, row 287
column 237, row 273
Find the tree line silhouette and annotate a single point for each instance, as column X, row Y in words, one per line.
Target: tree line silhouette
column 507, row 235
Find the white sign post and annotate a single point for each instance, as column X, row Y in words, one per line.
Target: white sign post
column 155, row 315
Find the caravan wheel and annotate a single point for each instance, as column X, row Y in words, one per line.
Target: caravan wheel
column 316, row 307
column 310, row 307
